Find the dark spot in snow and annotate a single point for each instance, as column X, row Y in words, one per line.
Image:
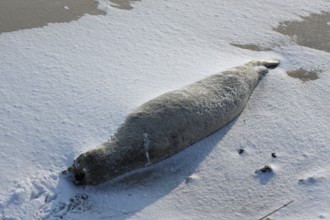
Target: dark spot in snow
column 274, row 155
column 241, row 151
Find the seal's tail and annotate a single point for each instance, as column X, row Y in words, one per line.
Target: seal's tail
column 270, row 64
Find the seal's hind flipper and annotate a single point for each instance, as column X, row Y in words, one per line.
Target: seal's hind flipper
column 270, row 64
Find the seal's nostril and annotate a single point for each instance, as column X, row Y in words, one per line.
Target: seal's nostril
column 79, row 176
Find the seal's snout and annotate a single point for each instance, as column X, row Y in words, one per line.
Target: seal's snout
column 79, row 175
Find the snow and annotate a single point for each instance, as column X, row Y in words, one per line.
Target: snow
column 66, row 87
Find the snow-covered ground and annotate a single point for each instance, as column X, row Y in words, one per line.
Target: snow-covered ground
column 66, row 87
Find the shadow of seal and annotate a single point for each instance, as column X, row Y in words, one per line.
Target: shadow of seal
column 170, row 123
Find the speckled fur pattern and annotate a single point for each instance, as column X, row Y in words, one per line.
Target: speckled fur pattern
column 171, row 122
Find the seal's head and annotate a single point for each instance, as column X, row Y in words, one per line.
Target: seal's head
column 79, row 174
column 87, row 169
column 92, row 167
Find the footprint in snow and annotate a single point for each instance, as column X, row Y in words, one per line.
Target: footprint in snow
column 38, row 198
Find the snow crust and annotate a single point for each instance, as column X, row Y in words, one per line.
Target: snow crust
column 65, row 88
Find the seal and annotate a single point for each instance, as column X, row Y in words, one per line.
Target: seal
column 170, row 123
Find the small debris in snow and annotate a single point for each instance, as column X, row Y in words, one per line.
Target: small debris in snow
column 265, row 169
column 274, row 155
column 241, row 151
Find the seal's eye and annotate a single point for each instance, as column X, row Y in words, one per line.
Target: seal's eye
column 79, row 176
column 77, row 162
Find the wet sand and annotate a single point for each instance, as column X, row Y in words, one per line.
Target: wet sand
column 25, row 14
column 313, row 31
column 304, row 75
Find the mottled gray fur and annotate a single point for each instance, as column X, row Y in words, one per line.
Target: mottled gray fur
column 171, row 122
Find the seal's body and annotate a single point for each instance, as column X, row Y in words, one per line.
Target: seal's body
column 171, row 122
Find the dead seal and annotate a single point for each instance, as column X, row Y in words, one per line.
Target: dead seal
column 171, row 122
